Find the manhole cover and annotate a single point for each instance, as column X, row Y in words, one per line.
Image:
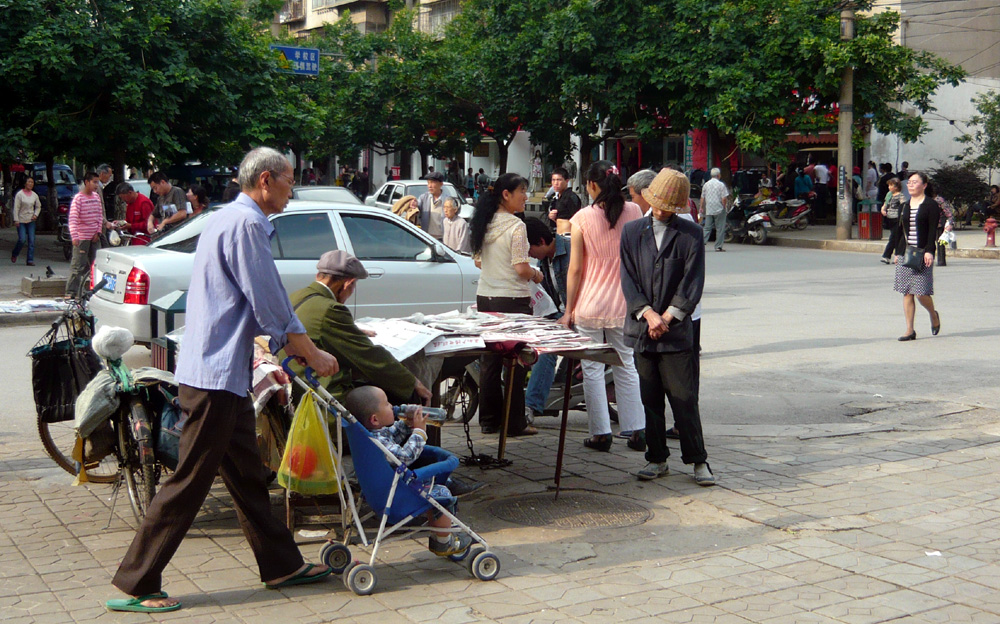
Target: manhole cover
column 573, row 510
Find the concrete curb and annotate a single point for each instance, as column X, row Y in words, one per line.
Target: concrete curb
column 29, row 318
column 872, row 247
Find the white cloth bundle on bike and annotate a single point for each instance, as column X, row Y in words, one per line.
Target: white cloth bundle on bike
column 112, row 342
column 96, row 404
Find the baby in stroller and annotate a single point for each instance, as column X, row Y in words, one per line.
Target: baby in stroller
column 408, row 442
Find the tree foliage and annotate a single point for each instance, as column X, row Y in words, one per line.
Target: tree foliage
column 983, row 142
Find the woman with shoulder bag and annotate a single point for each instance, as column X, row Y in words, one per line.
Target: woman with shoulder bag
column 914, row 240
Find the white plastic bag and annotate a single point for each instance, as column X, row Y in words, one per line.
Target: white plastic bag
column 542, row 304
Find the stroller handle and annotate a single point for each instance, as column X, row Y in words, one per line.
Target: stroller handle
column 308, row 373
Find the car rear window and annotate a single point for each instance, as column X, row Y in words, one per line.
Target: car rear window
column 304, row 236
column 184, row 237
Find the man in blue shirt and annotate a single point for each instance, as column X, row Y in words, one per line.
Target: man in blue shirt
column 552, row 252
column 235, row 294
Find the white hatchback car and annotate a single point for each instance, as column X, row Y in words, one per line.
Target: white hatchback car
column 408, row 270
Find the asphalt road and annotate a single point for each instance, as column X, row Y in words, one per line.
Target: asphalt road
column 791, row 337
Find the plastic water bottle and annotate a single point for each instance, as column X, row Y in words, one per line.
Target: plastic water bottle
column 435, row 415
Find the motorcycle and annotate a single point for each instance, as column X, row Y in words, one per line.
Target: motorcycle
column 62, row 235
column 747, row 222
column 787, row 214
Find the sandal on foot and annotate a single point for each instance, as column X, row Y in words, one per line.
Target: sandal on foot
column 134, row 604
column 637, row 441
column 599, row 443
column 302, row 577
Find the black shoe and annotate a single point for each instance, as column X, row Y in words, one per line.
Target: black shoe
column 673, row 434
column 599, row 443
column 637, row 441
column 936, row 328
column 461, row 487
column 488, row 429
column 912, row 336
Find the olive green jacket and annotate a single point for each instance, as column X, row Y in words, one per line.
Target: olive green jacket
column 331, row 326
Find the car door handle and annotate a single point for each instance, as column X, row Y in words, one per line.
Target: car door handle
column 376, row 273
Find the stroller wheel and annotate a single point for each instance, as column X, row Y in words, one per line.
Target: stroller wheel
column 361, row 579
column 485, row 566
column 335, row 556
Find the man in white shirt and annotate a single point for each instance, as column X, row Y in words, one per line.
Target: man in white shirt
column 822, row 173
column 714, row 199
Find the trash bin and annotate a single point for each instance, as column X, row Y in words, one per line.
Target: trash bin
column 869, row 220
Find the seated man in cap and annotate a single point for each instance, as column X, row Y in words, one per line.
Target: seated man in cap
column 320, row 307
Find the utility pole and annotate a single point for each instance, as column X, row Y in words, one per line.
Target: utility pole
column 845, row 128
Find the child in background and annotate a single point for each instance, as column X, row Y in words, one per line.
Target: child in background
column 456, row 229
column 408, row 442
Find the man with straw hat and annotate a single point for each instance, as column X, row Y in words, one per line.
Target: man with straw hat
column 663, row 274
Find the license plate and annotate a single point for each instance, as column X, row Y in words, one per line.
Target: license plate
column 110, row 281
column 767, row 224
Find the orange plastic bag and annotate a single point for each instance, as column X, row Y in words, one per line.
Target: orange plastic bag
column 307, row 466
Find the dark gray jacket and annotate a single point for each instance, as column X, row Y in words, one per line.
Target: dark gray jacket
column 672, row 277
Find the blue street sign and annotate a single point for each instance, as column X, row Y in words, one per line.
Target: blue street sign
column 301, row 61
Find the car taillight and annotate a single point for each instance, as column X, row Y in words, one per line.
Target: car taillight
column 93, row 273
column 63, row 208
column 137, row 287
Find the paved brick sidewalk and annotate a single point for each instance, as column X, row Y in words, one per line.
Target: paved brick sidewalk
column 893, row 519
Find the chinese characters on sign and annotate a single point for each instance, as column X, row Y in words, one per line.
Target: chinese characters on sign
column 301, row 61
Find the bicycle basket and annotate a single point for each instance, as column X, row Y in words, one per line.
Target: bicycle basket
column 62, row 364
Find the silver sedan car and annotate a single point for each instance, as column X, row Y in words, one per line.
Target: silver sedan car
column 408, row 270
column 393, row 190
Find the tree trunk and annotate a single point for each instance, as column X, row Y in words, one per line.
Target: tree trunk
column 406, row 165
column 52, row 198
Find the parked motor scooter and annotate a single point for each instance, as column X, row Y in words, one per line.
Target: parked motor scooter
column 787, row 214
column 62, row 233
column 747, row 222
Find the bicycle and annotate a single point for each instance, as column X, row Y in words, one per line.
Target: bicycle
column 62, row 363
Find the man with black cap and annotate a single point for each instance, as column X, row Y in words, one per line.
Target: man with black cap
column 328, row 321
column 431, row 206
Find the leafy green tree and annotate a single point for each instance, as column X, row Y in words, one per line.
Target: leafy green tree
column 132, row 82
column 983, row 142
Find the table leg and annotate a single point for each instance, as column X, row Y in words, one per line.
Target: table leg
column 570, row 365
column 434, row 433
column 509, row 364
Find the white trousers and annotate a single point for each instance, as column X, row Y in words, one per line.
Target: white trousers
column 631, row 416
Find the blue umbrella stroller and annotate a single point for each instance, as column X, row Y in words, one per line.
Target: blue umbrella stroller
column 393, row 491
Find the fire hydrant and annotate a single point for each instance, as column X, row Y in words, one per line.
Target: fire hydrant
column 990, row 229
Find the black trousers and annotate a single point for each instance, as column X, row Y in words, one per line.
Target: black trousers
column 670, row 376
column 888, row 225
column 218, row 438
column 491, row 396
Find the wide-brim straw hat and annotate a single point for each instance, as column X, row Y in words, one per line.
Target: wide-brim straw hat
column 668, row 191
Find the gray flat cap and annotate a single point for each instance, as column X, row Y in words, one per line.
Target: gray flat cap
column 436, row 175
column 341, row 264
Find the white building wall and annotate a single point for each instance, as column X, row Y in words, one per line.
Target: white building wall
column 938, row 146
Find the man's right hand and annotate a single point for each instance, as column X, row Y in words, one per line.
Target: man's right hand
column 323, row 363
column 553, row 214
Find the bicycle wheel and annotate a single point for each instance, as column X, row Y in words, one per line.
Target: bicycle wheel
column 138, row 464
column 461, row 398
column 59, row 438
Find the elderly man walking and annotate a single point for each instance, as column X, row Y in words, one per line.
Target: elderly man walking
column 235, row 294
column 662, row 275
column 714, row 200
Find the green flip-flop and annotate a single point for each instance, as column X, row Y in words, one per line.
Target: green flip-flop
column 302, row 577
column 135, row 604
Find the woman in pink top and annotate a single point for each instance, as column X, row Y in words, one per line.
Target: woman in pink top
column 596, row 307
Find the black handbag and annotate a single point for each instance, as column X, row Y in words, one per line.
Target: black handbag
column 913, row 258
column 59, row 372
